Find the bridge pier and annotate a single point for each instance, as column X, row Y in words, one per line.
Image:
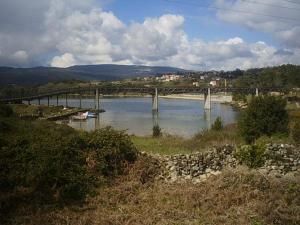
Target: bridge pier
column 207, row 99
column 56, row 100
column 97, row 104
column 48, row 101
column 155, row 101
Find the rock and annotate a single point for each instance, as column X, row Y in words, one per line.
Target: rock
column 208, row 170
column 215, row 173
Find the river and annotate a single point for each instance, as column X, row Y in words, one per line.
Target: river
column 134, row 114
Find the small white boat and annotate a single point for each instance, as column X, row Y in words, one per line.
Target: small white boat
column 80, row 116
column 91, row 115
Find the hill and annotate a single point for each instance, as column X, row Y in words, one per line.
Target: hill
column 42, row 75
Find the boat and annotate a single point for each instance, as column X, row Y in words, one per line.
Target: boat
column 80, row 116
column 91, row 115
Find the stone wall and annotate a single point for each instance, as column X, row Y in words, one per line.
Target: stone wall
column 197, row 167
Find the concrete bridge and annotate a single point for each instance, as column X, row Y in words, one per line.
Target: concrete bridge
column 154, row 91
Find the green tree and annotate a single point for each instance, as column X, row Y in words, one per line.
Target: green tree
column 265, row 115
column 218, row 124
column 156, row 131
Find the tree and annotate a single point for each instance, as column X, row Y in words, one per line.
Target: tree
column 218, row 124
column 265, row 115
column 156, row 131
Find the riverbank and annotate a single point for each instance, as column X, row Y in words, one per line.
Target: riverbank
column 43, row 112
column 214, row 98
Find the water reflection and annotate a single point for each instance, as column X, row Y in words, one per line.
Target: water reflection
column 155, row 118
column 207, row 118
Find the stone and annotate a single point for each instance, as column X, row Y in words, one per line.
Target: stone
column 215, row 173
column 208, row 170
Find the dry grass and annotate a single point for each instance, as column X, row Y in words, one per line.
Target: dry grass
column 234, row 197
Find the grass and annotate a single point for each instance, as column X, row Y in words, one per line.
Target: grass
column 238, row 196
column 22, row 109
column 170, row 144
column 166, row 145
column 33, row 110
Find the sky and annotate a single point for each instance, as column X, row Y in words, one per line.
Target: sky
column 190, row 34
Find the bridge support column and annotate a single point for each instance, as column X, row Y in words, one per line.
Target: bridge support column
column 97, row 104
column 155, row 101
column 256, row 91
column 56, row 100
column 207, row 104
column 48, row 101
column 66, row 100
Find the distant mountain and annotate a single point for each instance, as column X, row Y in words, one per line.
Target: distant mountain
column 42, row 75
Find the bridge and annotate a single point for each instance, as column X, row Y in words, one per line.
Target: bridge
column 154, row 91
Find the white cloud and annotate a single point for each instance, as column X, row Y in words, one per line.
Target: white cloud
column 65, row 60
column 278, row 18
column 79, row 32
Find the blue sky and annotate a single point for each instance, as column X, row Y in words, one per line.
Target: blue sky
column 177, row 33
column 199, row 22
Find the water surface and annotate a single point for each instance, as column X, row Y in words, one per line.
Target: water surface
column 175, row 116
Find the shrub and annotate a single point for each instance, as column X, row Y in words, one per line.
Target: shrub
column 156, row 131
column 265, row 115
column 47, row 159
column 295, row 132
column 251, row 155
column 218, row 124
column 5, row 110
column 112, row 150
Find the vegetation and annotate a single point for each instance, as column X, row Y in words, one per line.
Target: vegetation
column 156, row 131
column 166, row 144
column 217, row 125
column 280, row 76
column 295, row 132
column 265, row 115
column 252, row 155
column 110, row 150
column 45, row 162
column 244, row 197
column 170, row 144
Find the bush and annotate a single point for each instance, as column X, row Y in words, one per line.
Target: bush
column 112, row 150
column 295, row 132
column 45, row 158
column 265, row 115
column 5, row 110
column 156, row 131
column 251, row 155
column 218, row 124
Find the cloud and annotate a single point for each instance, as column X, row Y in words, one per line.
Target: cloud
column 65, row 60
column 80, row 32
column 282, row 20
